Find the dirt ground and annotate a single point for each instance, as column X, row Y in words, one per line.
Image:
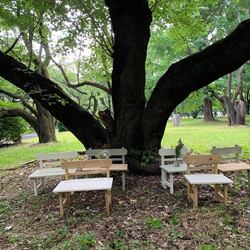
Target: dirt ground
column 144, row 216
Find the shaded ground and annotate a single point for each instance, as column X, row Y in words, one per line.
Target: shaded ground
column 144, row 216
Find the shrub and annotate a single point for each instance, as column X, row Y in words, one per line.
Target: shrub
column 11, row 129
column 61, row 127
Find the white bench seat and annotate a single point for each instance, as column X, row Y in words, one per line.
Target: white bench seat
column 229, row 153
column 167, row 167
column 86, row 184
column 117, row 155
column 85, row 167
column 47, row 161
column 208, row 163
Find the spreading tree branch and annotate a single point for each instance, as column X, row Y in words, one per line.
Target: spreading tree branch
column 24, row 102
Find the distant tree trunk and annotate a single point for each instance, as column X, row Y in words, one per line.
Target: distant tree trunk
column 207, row 110
column 176, row 120
column 231, row 114
column 194, row 113
column 41, row 124
column 240, row 108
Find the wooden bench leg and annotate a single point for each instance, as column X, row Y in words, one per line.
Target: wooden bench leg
column 225, row 187
column 35, row 186
column 42, row 180
column 217, row 190
column 189, row 187
column 67, row 199
column 108, row 200
column 61, row 203
column 171, row 182
column 163, row 178
column 123, row 180
column 195, row 196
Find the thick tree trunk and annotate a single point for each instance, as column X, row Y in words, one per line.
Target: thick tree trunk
column 207, row 110
column 130, row 21
column 46, row 125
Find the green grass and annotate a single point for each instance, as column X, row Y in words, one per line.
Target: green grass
column 15, row 156
column 194, row 133
column 202, row 136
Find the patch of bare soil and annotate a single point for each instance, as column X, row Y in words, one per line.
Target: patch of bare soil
column 144, row 216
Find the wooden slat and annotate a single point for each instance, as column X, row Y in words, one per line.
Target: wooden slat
column 59, row 155
column 86, row 167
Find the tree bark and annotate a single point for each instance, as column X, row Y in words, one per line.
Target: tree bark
column 46, row 125
column 207, row 110
column 231, row 114
column 130, row 22
column 240, row 108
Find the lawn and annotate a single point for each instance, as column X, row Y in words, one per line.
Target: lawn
column 143, row 217
column 195, row 134
column 202, row 136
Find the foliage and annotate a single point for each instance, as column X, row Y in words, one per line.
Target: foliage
column 178, row 149
column 103, row 154
column 144, row 156
column 11, row 128
column 61, row 127
column 220, row 19
column 154, row 223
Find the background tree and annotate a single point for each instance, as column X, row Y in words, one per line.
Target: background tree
column 230, row 13
column 22, row 22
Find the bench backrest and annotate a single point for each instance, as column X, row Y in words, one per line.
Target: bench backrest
column 202, row 162
column 87, row 167
column 55, row 158
column 168, row 155
column 228, row 153
column 115, row 154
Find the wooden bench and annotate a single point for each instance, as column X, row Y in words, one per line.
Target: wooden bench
column 232, row 153
column 118, row 160
column 85, row 167
column 52, row 159
column 167, row 167
column 205, row 162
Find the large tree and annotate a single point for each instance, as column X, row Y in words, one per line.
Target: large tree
column 27, row 25
column 137, row 125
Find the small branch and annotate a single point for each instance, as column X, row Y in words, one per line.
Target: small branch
column 94, row 84
column 13, row 45
column 24, row 102
column 63, row 72
column 155, row 5
column 85, row 83
column 239, row 84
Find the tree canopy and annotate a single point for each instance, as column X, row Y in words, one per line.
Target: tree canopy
column 123, row 30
